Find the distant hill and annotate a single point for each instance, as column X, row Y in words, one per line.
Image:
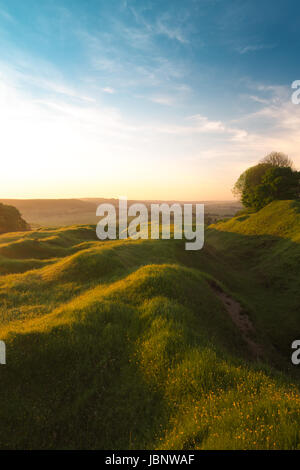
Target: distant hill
column 58, row 212
column 54, row 212
column 11, row 220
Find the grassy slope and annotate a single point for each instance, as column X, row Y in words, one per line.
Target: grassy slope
column 124, row 344
column 264, row 250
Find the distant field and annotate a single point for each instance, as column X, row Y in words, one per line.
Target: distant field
column 58, row 212
column 129, row 345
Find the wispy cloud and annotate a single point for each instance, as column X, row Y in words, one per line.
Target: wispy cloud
column 25, row 75
column 6, row 16
column 165, row 25
column 171, row 32
column 254, row 48
column 109, row 90
column 203, row 124
column 164, row 100
column 257, row 99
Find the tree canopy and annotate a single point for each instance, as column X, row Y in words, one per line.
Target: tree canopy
column 279, row 159
column 272, row 179
column 11, row 220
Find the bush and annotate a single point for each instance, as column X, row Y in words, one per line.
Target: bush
column 11, row 220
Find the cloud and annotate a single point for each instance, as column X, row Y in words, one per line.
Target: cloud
column 58, row 88
column 203, row 124
column 171, row 32
column 4, row 14
column 275, row 126
column 254, row 48
column 257, row 99
column 166, row 25
column 164, row 100
column 23, row 75
column 109, row 90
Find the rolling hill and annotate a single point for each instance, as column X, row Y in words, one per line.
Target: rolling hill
column 141, row 344
column 58, row 212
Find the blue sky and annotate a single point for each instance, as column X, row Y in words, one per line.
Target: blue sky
column 144, row 98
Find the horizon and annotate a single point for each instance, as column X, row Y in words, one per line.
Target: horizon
column 116, row 199
column 158, row 101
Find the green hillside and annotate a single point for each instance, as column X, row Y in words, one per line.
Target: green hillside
column 263, row 250
column 280, row 219
column 140, row 344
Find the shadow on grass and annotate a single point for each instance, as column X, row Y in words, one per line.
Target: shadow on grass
column 262, row 272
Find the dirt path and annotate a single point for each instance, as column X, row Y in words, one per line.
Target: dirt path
column 240, row 319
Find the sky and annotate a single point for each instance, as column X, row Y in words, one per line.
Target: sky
column 149, row 99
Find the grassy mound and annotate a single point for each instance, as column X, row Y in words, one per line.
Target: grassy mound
column 280, row 219
column 135, row 365
column 261, row 255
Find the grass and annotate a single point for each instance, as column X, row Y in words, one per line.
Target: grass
column 124, row 345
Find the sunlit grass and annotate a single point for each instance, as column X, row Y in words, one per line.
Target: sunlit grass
column 118, row 345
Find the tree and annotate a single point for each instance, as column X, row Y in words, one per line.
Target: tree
column 272, row 179
column 278, row 159
column 11, row 220
column 250, row 178
column 254, row 175
column 278, row 183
